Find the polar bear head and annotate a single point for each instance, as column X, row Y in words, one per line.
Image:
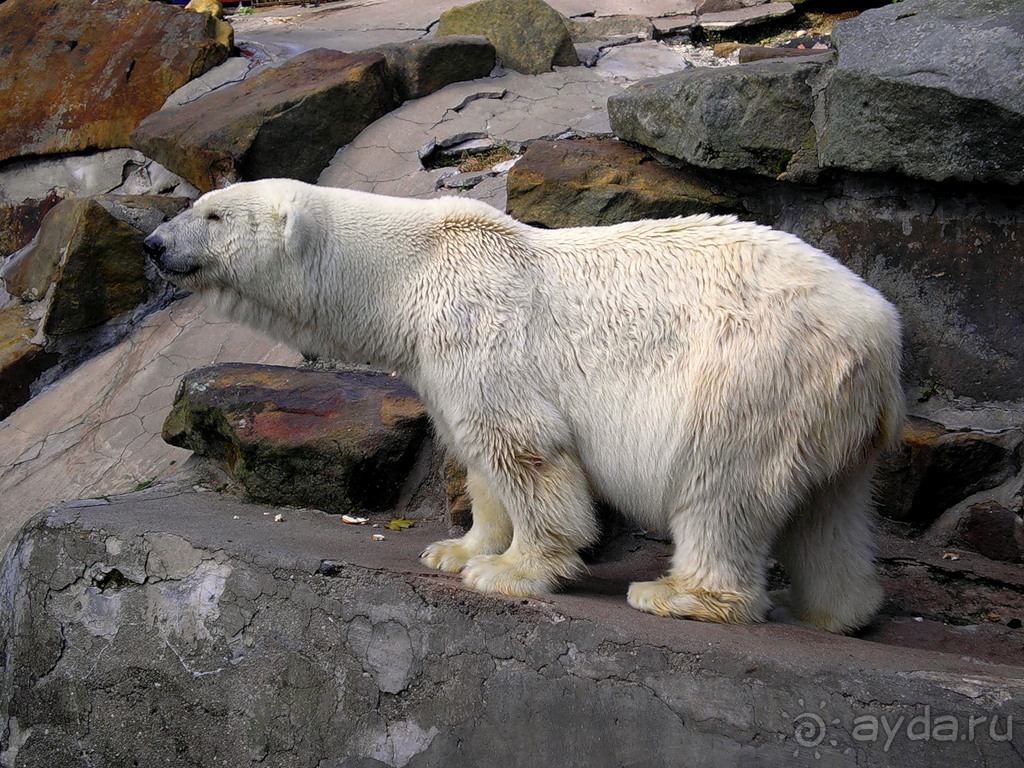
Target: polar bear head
column 233, row 239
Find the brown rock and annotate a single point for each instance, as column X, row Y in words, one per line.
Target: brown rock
column 284, row 122
column 593, row 182
column 992, row 530
column 529, row 36
column 340, row 442
column 81, row 74
column 421, row 67
column 92, row 249
column 21, row 360
column 749, row 53
column 212, row 7
column 935, row 468
column 20, row 221
column 460, row 506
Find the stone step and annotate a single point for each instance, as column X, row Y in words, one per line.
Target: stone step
column 227, row 638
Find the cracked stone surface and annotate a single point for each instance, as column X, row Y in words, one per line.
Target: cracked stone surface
column 230, row 639
column 97, row 431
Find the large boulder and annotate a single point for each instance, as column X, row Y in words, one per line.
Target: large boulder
column 601, row 181
column 930, row 89
column 754, row 117
column 340, row 442
column 87, row 260
column 80, row 75
column 421, row 67
column 529, row 35
column 287, row 121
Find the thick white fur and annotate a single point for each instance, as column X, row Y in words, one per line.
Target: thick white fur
column 712, row 378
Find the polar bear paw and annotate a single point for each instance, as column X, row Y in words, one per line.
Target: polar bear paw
column 515, row 576
column 669, row 598
column 450, row 555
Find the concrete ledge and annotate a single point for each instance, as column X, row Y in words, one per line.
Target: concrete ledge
column 190, row 629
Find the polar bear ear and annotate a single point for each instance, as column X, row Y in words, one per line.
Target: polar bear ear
column 294, row 229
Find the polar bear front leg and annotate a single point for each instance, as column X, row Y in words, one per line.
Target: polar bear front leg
column 490, row 534
column 548, row 500
column 718, row 568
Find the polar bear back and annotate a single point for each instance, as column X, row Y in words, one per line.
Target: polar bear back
column 699, row 339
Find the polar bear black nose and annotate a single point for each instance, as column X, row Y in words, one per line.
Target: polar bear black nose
column 155, row 249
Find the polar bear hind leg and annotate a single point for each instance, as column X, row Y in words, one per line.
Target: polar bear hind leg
column 827, row 551
column 549, row 504
column 718, row 568
column 490, row 534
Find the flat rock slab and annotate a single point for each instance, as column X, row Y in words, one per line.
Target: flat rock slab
column 230, row 627
column 930, row 89
column 248, row 131
column 341, row 442
column 98, row 430
column 81, row 75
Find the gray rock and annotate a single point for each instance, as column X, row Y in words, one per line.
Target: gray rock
column 202, row 615
column 424, row 66
column 754, row 117
column 930, row 89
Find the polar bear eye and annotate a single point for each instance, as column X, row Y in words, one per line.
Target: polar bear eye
column 211, row 216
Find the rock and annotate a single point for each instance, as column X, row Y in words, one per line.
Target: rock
column 21, row 359
column 529, row 36
column 671, row 25
column 621, row 29
column 80, row 75
column 19, row 222
column 199, row 613
column 30, row 187
column 460, row 505
column 283, row 122
column 935, row 468
column 90, row 250
column 755, row 117
column 212, row 7
column 749, row 53
column 994, row 531
column 340, row 442
column 424, row 66
column 601, row 181
column 929, row 89
column 742, row 17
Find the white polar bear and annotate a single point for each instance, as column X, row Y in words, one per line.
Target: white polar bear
column 709, row 377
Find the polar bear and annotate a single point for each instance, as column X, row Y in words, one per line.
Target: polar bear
column 711, row 378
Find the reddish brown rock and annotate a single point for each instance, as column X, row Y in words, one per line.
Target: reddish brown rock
column 284, row 122
column 80, row 75
column 20, row 221
column 592, row 182
column 340, row 442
